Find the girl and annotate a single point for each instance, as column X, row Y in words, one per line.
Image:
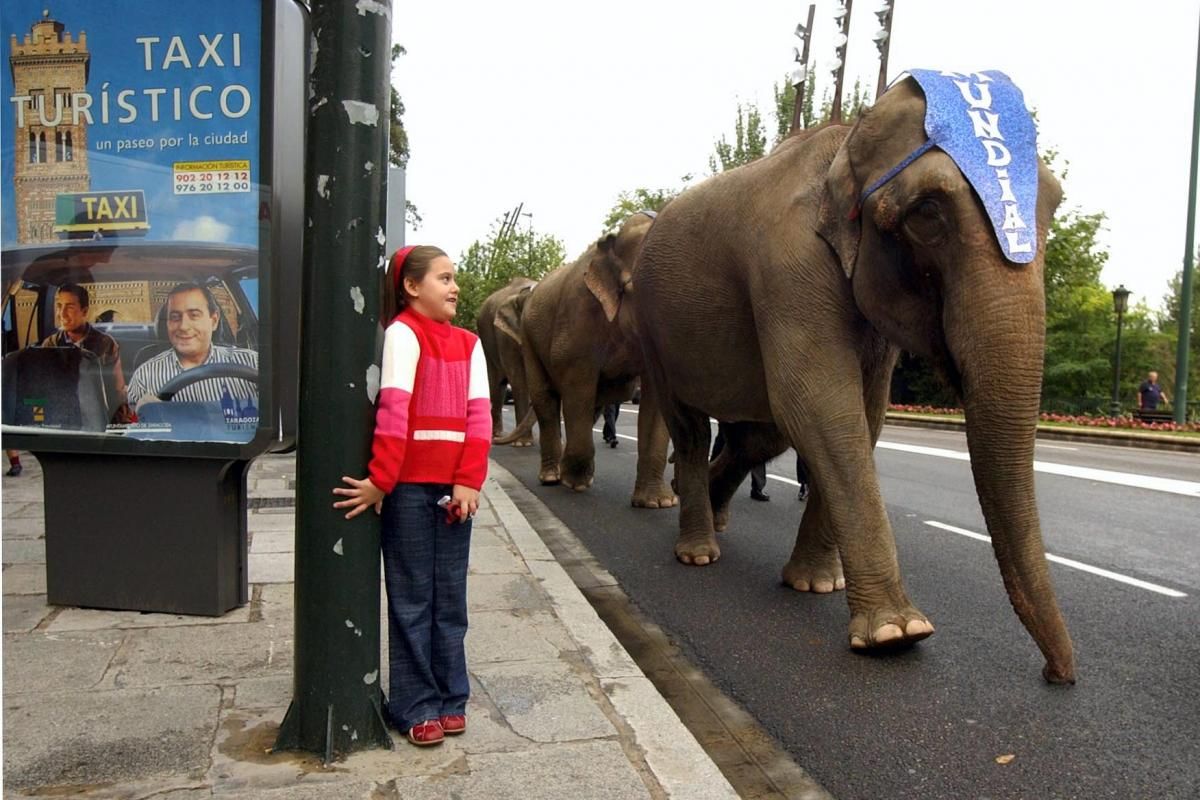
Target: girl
column 433, row 429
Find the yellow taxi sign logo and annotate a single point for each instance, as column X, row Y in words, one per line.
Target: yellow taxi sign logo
column 90, row 213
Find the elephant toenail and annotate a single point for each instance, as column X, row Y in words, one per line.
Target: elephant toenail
column 858, row 642
column 917, row 627
column 840, row 583
column 701, row 561
column 823, row 587
column 800, row 585
column 888, row 633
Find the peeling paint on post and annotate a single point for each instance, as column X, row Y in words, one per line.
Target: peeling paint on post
column 337, row 701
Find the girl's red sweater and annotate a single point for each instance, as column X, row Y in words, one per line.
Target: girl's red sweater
column 433, row 421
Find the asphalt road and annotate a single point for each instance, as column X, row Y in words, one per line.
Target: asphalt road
column 937, row 720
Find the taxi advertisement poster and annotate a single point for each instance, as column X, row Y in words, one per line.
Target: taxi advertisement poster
column 130, row 145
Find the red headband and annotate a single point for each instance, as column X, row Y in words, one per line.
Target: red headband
column 397, row 266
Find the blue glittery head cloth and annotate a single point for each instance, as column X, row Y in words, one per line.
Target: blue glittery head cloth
column 979, row 120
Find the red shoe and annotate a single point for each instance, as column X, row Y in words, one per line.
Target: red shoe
column 426, row 733
column 453, row 724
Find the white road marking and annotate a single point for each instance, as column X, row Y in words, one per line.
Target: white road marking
column 1067, row 562
column 1130, row 479
column 1056, row 446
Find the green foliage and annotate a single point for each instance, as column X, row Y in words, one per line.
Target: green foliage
column 398, row 151
column 489, row 265
column 749, row 141
column 639, row 200
column 1169, row 325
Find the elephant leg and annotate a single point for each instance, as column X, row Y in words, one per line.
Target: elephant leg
column 513, row 361
column 747, row 444
column 650, row 487
column 815, row 565
column 828, row 425
column 496, row 392
column 548, row 406
column 579, row 414
column 521, row 408
column 690, row 433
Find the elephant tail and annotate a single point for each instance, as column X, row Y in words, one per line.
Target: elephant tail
column 524, row 428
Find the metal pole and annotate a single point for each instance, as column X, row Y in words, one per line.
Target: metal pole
column 798, row 109
column 336, row 697
column 1185, row 301
column 883, row 52
column 835, row 114
column 1114, row 408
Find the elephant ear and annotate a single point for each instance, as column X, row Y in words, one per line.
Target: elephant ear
column 508, row 320
column 838, row 220
column 600, row 278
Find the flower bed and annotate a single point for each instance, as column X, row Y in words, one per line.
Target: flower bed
column 1123, row 422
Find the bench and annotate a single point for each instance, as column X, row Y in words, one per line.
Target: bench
column 1158, row 415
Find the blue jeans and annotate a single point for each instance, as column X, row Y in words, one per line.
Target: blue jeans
column 425, row 571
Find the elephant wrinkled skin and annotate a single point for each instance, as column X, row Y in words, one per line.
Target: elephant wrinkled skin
column 499, row 329
column 803, row 306
column 582, row 353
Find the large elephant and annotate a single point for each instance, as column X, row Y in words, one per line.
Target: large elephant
column 499, row 329
column 804, row 273
column 582, row 353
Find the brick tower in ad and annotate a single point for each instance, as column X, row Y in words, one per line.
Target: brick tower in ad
column 50, row 147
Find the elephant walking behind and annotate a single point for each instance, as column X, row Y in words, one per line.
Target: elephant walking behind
column 802, row 274
column 499, row 329
column 582, row 353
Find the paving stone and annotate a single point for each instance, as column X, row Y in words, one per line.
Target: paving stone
column 208, row 654
column 581, row 771
column 268, row 486
column 14, row 509
column 89, row 739
column 24, row 551
column 497, row 592
column 271, row 519
column 495, row 561
column 25, row 579
column 512, row 636
column 24, row 527
column 673, row 754
column 269, row 541
column 23, row 612
column 88, row 619
column 488, row 536
column 48, row 662
column 272, row 567
column 274, row 691
column 544, row 701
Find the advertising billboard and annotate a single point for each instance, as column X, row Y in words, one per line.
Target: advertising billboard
column 134, row 213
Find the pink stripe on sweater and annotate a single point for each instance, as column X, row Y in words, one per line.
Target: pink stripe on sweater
column 479, row 418
column 443, row 387
column 391, row 418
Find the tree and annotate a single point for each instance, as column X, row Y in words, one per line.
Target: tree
column 639, row 200
column 750, row 141
column 488, row 265
column 398, row 151
column 1168, row 325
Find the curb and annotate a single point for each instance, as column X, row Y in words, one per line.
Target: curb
column 672, row 754
column 1148, row 441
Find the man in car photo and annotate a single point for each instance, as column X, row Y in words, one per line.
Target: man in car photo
column 192, row 316
column 71, row 303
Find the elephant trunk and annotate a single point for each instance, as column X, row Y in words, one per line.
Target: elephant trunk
column 997, row 346
column 524, row 428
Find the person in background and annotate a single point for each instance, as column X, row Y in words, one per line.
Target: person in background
column 758, row 473
column 611, row 412
column 14, row 463
column 1150, row 394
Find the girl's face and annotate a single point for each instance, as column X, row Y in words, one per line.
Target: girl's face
column 436, row 296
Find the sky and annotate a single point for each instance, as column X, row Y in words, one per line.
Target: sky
column 562, row 106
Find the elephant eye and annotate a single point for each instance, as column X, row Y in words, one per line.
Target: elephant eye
column 925, row 222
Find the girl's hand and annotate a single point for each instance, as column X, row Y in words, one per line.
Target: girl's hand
column 364, row 495
column 467, row 501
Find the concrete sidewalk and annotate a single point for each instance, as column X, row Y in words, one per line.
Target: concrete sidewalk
column 129, row 705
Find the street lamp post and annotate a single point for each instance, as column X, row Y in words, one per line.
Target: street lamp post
column 883, row 42
column 1120, row 301
column 841, row 15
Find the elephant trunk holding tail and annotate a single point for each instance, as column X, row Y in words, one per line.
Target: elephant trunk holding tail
column 803, row 273
column 499, row 329
column 581, row 353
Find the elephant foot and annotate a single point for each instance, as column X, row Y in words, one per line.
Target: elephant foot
column 887, row 627
column 523, row 443
column 548, row 476
column 720, row 519
column 698, row 550
column 577, row 484
column 654, row 497
column 822, row 576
